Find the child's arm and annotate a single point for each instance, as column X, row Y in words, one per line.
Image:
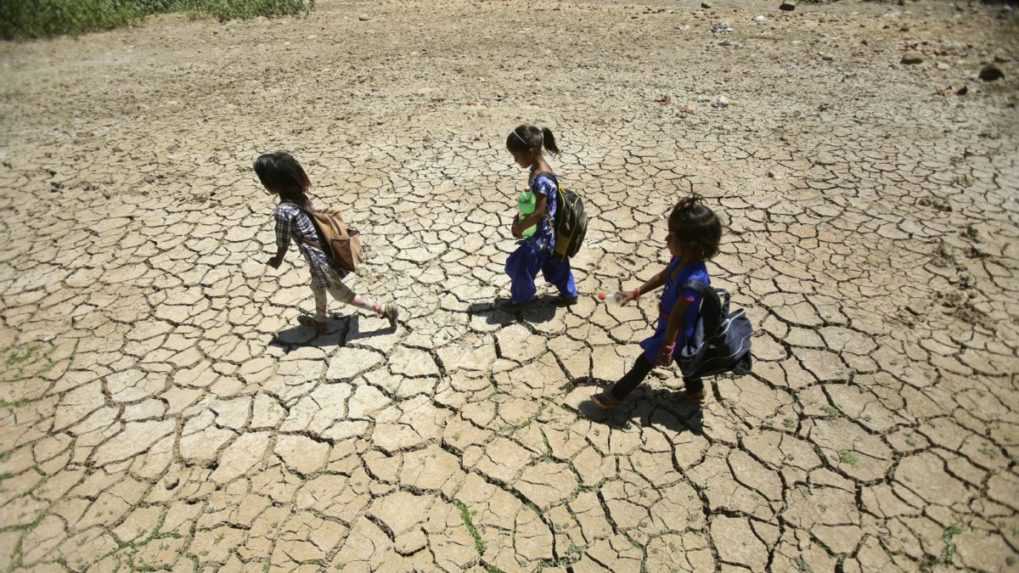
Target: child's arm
column 282, row 241
column 533, row 219
column 672, row 331
column 652, row 283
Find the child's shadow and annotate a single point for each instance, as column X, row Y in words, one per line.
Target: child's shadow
column 664, row 407
column 502, row 312
column 339, row 331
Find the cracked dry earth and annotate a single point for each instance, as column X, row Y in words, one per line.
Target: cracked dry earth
column 162, row 410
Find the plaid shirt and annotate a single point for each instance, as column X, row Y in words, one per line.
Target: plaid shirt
column 293, row 223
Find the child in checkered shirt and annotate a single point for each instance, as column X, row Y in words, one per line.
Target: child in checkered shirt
column 283, row 176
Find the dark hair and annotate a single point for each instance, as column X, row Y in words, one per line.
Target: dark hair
column 693, row 224
column 281, row 174
column 531, row 138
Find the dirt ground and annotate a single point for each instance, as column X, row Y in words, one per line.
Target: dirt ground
column 162, row 410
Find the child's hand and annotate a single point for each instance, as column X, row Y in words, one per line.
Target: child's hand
column 665, row 355
column 629, row 296
column 275, row 262
column 515, row 230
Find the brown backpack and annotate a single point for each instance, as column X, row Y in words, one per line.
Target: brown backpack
column 341, row 243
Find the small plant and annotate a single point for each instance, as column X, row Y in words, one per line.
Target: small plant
column 948, row 553
column 832, row 411
column 848, row 457
column 468, row 519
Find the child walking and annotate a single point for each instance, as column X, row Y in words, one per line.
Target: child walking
column 535, row 253
column 694, row 234
column 283, row 176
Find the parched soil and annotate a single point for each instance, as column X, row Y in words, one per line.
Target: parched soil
column 163, row 410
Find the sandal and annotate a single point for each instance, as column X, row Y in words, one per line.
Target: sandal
column 391, row 313
column 315, row 324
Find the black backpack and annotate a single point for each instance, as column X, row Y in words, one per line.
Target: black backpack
column 570, row 220
column 721, row 341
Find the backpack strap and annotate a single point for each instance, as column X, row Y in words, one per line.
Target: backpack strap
column 548, row 174
column 711, row 307
column 318, row 231
column 698, row 287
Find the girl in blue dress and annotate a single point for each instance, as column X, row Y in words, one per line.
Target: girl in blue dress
column 535, row 253
column 694, row 235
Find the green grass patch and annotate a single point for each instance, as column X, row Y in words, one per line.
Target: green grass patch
column 24, row 19
column 831, row 411
column 848, row 457
column 19, row 355
column 948, row 554
column 468, row 519
column 479, row 544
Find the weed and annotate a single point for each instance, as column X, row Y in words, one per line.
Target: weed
column 848, row 457
column 468, row 519
column 948, row 554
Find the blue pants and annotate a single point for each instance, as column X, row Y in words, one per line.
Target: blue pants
column 523, row 266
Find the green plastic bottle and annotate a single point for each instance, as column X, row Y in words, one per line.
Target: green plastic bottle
column 526, row 205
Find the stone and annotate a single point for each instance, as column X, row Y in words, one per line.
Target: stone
column 991, row 73
column 911, row 59
column 787, row 6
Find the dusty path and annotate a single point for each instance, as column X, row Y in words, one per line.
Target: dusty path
column 162, row 410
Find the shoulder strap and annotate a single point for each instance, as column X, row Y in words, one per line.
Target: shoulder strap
column 318, row 231
column 548, row 174
column 699, row 287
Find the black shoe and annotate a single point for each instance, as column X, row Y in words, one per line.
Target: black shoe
column 605, row 400
column 564, row 300
column 695, row 391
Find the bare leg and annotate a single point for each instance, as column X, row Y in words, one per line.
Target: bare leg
column 342, row 293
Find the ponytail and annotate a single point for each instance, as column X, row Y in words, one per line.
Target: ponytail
column 531, row 138
column 549, row 141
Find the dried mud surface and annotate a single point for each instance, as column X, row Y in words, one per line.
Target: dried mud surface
column 162, row 410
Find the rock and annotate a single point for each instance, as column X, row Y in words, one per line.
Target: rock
column 720, row 102
column 826, row 57
column 721, row 28
column 962, row 91
column 911, row 59
column 705, row 6
column 943, row 66
column 363, row 18
column 991, row 73
column 760, row 20
column 787, row 6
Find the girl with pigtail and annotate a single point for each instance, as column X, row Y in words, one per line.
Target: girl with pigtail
column 535, row 252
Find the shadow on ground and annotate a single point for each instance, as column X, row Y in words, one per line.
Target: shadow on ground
column 646, row 406
column 339, row 331
column 502, row 312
